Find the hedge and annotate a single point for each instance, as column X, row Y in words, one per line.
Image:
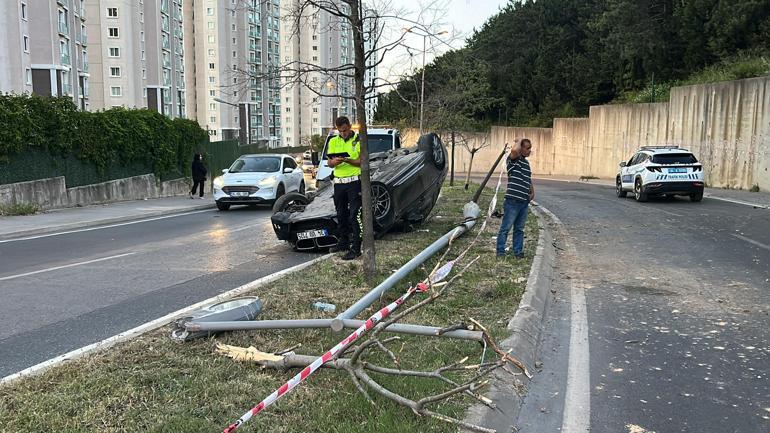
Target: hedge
column 46, row 137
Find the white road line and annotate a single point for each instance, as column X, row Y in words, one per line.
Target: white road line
column 745, row 203
column 155, row 324
column 88, row 229
column 577, row 398
column 753, row 242
column 56, row 268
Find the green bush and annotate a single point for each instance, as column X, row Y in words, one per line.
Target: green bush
column 106, row 145
column 18, row 209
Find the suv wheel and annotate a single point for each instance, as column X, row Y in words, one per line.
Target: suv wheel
column 223, row 206
column 639, row 193
column 698, row 196
column 619, row 188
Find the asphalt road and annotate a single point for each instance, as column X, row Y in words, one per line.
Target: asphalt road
column 63, row 292
column 661, row 321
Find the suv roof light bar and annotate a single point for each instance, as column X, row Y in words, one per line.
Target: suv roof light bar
column 670, row 146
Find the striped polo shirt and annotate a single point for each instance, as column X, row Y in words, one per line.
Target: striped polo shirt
column 519, row 179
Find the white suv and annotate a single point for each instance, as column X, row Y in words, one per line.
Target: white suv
column 661, row 170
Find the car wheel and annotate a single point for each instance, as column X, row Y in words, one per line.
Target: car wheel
column 280, row 191
column 432, row 145
column 291, row 202
column 639, row 193
column 302, row 187
column 698, row 196
column 619, row 188
column 382, row 205
column 223, row 206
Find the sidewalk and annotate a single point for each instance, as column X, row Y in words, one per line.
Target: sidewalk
column 757, row 199
column 80, row 217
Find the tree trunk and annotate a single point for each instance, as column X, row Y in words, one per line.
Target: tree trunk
column 452, row 166
column 367, row 229
column 468, row 175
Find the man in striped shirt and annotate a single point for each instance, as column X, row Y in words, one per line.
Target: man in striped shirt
column 518, row 194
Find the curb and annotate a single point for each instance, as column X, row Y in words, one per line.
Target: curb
column 94, row 223
column 526, row 328
column 152, row 325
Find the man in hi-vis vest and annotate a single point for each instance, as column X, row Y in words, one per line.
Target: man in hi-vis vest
column 343, row 153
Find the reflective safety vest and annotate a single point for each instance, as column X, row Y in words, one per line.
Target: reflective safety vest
column 353, row 147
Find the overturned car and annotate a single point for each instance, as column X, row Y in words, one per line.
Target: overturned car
column 405, row 184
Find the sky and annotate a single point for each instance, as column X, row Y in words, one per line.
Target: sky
column 457, row 17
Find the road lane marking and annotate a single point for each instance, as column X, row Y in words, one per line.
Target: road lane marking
column 56, row 268
column 88, row 229
column 155, row 324
column 753, row 242
column 577, row 398
column 745, row 203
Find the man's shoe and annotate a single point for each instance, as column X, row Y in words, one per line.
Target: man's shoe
column 351, row 255
column 191, row 196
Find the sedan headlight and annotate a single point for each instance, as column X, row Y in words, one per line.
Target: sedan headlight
column 268, row 182
column 218, row 182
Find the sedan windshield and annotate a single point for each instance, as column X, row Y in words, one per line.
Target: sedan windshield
column 675, row 158
column 262, row 164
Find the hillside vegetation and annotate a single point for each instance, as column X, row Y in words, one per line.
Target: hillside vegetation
column 536, row 60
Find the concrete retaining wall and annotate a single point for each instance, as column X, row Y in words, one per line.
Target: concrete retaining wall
column 52, row 193
column 726, row 125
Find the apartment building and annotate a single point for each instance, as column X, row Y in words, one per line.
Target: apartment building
column 325, row 41
column 233, row 56
column 45, row 49
column 137, row 55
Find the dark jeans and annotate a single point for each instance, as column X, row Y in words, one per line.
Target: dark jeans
column 347, row 201
column 195, row 186
column 515, row 214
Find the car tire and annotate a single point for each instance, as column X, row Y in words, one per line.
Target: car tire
column 223, row 206
column 302, row 187
column 285, row 202
column 697, row 197
column 639, row 193
column 619, row 188
column 432, row 145
column 382, row 206
column 279, row 192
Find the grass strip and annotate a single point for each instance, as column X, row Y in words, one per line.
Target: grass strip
column 152, row 384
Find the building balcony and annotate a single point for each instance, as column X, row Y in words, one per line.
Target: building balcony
column 85, row 67
column 83, row 39
column 65, row 59
column 64, row 28
column 66, row 89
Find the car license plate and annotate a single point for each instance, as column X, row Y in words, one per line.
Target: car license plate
column 239, row 194
column 311, row 234
column 678, row 176
column 677, row 170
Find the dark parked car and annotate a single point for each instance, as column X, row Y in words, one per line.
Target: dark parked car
column 405, row 186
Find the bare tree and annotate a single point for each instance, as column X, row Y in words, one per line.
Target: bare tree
column 472, row 146
column 377, row 33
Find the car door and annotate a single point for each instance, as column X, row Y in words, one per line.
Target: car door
column 626, row 173
column 291, row 180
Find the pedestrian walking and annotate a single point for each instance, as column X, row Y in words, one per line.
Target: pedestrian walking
column 518, row 194
column 198, row 175
column 343, row 154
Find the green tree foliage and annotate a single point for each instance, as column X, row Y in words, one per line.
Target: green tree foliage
column 536, row 60
column 112, row 138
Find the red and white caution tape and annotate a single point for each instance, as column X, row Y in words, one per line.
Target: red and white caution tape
column 326, row 357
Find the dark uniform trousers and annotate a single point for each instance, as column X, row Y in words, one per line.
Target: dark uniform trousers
column 347, row 201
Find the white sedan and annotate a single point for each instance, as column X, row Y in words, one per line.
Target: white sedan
column 256, row 179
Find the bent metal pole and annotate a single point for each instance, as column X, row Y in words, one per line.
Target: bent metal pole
column 326, row 357
column 471, row 212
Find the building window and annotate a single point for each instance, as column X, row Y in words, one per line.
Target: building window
column 28, row 76
column 212, row 80
column 114, row 52
column 212, row 93
column 112, row 12
column 116, row 91
column 211, row 25
column 235, row 54
column 233, row 27
column 210, row 12
column 212, row 106
column 26, row 43
column 211, row 39
column 114, row 71
column 144, row 74
column 113, row 32
column 211, row 66
column 24, row 11
column 213, row 119
column 211, row 52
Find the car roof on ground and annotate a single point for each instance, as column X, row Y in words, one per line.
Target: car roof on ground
column 371, row 131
